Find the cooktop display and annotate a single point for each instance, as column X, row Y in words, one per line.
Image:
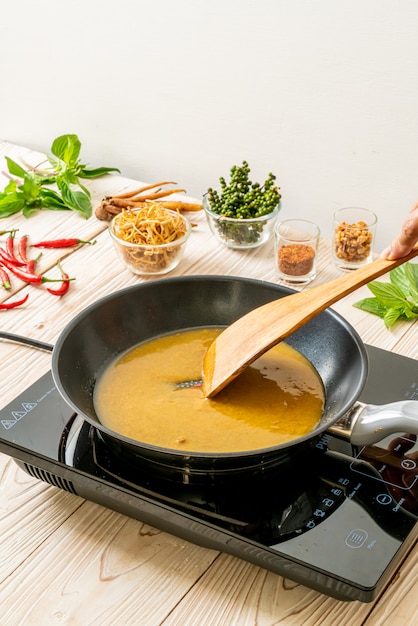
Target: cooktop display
column 337, row 519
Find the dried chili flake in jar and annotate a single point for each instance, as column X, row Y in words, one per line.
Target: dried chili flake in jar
column 295, row 259
column 352, row 242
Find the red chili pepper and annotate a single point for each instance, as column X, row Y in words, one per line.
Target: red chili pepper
column 61, row 243
column 30, row 277
column 4, row 256
column 12, row 305
column 31, row 264
column 22, row 248
column 4, row 278
column 10, row 246
column 10, row 242
column 64, row 286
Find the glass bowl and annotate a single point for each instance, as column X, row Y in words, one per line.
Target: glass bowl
column 145, row 260
column 240, row 233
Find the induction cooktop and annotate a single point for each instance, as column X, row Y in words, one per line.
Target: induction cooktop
column 339, row 521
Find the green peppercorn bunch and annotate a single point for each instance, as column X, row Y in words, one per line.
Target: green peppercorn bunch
column 243, row 199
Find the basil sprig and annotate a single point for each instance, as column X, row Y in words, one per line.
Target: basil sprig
column 57, row 187
column 394, row 300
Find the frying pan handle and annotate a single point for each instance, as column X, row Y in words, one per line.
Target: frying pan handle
column 374, row 423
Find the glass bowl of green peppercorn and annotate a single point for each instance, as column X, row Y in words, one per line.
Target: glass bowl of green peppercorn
column 242, row 214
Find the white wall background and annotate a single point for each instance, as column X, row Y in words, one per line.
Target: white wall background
column 324, row 93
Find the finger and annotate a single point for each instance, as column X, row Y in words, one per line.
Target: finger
column 407, row 238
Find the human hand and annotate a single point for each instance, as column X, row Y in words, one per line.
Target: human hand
column 406, row 239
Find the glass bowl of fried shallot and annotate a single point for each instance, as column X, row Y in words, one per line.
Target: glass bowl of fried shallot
column 150, row 240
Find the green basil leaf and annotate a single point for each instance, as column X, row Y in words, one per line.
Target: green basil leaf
column 28, row 209
column 76, row 200
column 414, row 270
column 391, row 316
column 51, row 199
column 66, row 148
column 411, row 314
column 84, row 172
column 371, row 305
column 14, row 168
column 47, row 179
column 411, row 273
column 10, row 188
column 30, row 187
column 11, row 204
column 390, row 295
column 81, row 203
column 399, row 277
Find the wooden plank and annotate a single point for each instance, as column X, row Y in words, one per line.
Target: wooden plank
column 104, row 568
column 30, row 511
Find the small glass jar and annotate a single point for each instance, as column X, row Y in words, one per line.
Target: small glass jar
column 296, row 245
column 353, row 237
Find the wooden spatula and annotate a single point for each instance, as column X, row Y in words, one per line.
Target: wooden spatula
column 256, row 332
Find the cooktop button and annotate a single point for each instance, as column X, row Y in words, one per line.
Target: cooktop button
column 356, row 538
column 384, row 498
column 408, row 464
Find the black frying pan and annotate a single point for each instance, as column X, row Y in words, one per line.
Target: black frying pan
column 126, row 318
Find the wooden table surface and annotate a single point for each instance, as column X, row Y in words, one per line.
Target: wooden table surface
column 64, row 560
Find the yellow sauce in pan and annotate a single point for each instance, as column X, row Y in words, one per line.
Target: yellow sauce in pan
column 278, row 398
